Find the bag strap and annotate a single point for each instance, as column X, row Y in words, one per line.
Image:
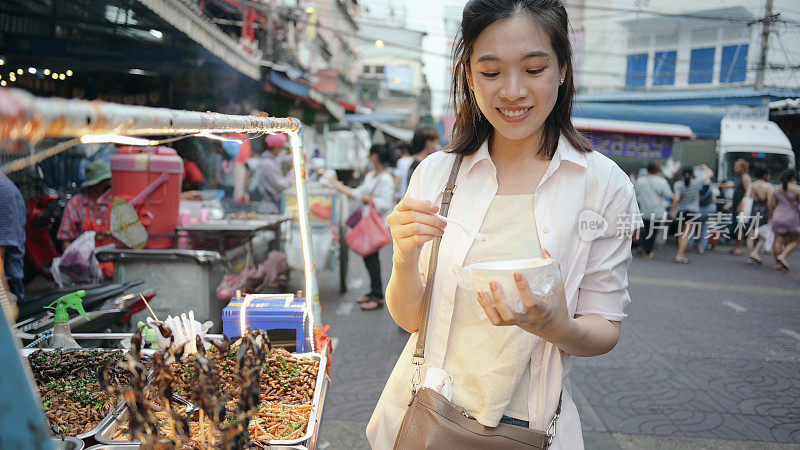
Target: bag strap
column 447, row 196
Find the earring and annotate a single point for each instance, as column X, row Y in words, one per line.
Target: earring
column 561, row 82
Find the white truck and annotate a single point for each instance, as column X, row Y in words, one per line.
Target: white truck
column 758, row 142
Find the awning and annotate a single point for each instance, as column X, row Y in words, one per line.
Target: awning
column 333, row 107
column 704, row 124
column 349, row 107
column 391, row 130
column 207, row 34
column 288, row 85
column 745, row 95
column 630, row 127
column 297, row 89
column 375, row 116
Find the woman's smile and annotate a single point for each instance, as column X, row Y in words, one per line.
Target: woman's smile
column 514, row 114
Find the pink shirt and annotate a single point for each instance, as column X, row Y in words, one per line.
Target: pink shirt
column 594, row 268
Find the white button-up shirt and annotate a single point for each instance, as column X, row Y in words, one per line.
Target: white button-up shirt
column 594, row 269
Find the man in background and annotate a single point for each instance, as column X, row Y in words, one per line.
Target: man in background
column 12, row 235
column 83, row 212
column 424, row 142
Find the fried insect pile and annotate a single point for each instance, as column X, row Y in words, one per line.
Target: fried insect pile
column 245, row 395
column 68, row 383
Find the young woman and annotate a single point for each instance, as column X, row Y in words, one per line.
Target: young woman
column 760, row 191
column 378, row 187
column 783, row 204
column 686, row 207
column 525, row 179
column 741, row 185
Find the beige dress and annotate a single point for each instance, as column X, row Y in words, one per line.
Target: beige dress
column 490, row 365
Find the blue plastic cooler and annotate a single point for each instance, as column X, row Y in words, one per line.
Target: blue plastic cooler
column 269, row 312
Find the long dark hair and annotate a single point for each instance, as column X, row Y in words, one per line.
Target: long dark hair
column 386, row 154
column 687, row 173
column 787, row 175
column 472, row 128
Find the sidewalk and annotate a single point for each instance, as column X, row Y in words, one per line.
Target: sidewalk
column 708, row 358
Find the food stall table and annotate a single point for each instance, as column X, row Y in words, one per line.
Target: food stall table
column 225, row 229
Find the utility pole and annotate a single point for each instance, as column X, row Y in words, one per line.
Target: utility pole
column 762, row 60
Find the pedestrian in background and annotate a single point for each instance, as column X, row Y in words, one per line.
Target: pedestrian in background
column 686, row 207
column 424, row 142
column 784, row 204
column 761, row 191
column 12, row 236
column 741, row 186
column 271, row 180
column 400, row 171
column 378, row 188
column 652, row 193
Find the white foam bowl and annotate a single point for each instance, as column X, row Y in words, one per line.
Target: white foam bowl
column 542, row 275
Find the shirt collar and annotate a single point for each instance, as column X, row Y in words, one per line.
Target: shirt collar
column 564, row 152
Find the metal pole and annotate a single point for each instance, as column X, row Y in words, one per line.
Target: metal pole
column 28, row 118
column 762, row 60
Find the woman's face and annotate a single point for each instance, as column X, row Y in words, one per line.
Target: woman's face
column 515, row 75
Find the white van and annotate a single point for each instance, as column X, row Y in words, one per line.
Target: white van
column 758, row 142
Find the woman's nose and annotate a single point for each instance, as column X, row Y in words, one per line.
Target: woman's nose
column 513, row 89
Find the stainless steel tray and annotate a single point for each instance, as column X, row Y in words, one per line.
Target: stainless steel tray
column 136, row 446
column 68, row 443
column 114, row 411
column 103, row 435
column 114, row 447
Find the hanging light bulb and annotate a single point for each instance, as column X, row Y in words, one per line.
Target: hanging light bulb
column 19, row 71
column 46, row 72
column 55, row 76
column 12, row 76
column 32, row 70
column 61, row 76
column 2, row 62
column 69, row 73
column 3, row 83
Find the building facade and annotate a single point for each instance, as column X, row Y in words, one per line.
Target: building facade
column 649, row 45
column 392, row 79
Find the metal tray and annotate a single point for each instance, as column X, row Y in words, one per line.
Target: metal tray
column 103, row 435
column 68, row 443
column 136, row 446
column 115, row 411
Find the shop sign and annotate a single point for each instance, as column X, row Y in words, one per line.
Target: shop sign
column 638, row 146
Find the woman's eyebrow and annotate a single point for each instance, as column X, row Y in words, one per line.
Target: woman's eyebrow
column 533, row 54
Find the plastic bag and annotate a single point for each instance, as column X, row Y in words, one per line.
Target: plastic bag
column 370, row 234
column 78, row 265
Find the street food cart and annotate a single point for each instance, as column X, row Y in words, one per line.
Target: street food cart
column 27, row 119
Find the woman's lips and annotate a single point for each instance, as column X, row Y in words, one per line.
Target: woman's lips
column 516, row 114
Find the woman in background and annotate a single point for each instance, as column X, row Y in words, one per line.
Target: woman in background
column 378, row 188
column 686, row 207
column 784, row 203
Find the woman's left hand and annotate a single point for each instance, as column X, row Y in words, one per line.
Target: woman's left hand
column 545, row 316
column 366, row 199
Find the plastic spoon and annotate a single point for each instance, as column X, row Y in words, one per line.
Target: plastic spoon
column 472, row 233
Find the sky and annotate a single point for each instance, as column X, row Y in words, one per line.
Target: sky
column 435, row 44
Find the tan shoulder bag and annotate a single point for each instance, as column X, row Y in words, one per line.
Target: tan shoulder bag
column 432, row 422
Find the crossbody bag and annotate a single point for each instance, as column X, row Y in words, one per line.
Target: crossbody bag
column 431, row 421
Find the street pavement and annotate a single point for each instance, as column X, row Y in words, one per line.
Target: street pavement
column 709, row 358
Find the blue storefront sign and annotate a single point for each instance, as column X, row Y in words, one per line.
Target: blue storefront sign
column 638, row 146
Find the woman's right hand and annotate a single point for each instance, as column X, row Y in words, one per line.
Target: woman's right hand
column 413, row 222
